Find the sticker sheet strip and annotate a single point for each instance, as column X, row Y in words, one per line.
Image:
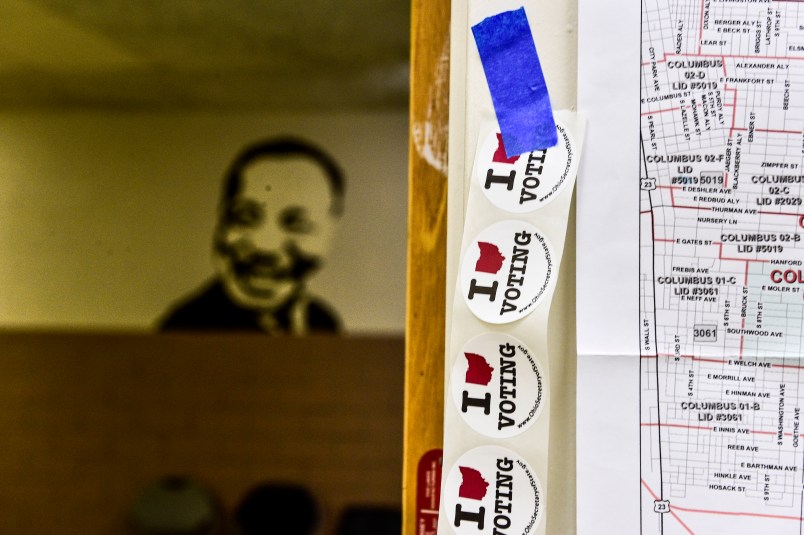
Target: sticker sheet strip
column 478, row 467
column 496, row 429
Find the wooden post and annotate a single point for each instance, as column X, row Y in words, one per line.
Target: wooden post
column 427, row 224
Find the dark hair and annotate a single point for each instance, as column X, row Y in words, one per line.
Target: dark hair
column 285, row 508
column 281, row 148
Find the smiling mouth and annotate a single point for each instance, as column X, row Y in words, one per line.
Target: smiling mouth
column 263, row 271
column 263, row 279
column 261, row 283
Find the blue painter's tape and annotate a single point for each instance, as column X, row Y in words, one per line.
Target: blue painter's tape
column 516, row 82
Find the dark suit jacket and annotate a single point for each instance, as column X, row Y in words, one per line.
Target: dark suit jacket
column 212, row 309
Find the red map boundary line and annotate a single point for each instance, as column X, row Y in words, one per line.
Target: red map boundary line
column 716, row 512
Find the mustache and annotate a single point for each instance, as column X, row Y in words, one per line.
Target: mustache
column 268, row 264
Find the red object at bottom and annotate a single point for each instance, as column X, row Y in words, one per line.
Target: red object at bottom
column 428, row 492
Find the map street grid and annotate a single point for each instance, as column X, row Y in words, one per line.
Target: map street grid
column 721, row 266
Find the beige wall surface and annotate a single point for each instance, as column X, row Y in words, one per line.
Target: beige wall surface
column 106, row 217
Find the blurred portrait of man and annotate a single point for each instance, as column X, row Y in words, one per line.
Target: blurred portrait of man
column 280, row 202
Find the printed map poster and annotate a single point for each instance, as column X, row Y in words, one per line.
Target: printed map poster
column 691, row 267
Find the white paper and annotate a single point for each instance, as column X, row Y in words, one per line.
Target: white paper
column 608, row 92
column 608, row 445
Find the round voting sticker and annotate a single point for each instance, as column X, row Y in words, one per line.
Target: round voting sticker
column 497, row 385
column 506, row 271
column 492, row 490
column 526, row 182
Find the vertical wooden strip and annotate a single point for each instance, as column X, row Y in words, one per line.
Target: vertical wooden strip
column 427, row 218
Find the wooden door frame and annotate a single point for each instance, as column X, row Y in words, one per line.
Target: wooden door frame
column 427, row 231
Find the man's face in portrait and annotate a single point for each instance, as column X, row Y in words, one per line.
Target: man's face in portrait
column 275, row 231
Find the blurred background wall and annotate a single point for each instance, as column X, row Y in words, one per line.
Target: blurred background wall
column 117, row 121
column 88, row 421
column 107, row 216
